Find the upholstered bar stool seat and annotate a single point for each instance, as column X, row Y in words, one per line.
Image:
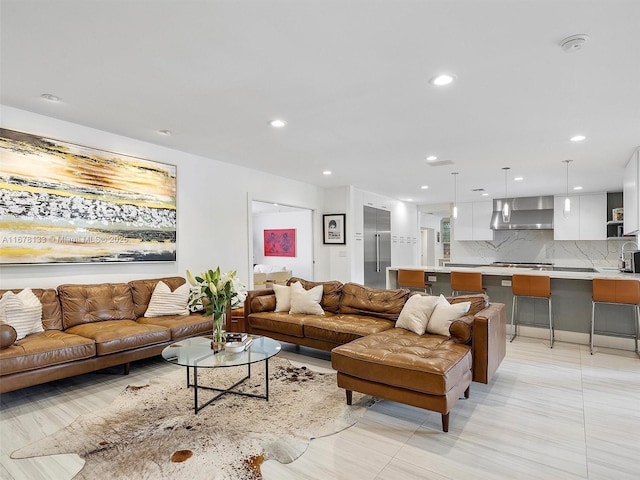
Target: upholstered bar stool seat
column 413, row 279
column 468, row 282
column 618, row 292
column 532, row 286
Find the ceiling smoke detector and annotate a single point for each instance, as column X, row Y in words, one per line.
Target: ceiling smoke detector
column 574, row 42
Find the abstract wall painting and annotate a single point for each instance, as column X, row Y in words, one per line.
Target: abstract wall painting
column 280, row 242
column 65, row 203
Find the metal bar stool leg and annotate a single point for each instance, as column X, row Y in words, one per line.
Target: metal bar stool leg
column 551, row 332
column 514, row 305
column 637, row 327
column 591, row 332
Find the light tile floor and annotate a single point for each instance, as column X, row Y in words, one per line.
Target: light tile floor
column 556, row 413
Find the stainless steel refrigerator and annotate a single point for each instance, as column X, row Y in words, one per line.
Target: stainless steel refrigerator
column 377, row 246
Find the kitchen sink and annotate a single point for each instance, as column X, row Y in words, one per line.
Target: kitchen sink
column 575, row 269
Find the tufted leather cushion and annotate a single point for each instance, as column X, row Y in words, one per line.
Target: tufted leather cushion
column 141, row 291
column 263, row 303
column 118, row 335
column 280, row 322
column 331, row 292
column 341, row 329
column 51, row 313
column 377, row 302
column 479, row 301
column 83, row 304
column 51, row 347
column 429, row 364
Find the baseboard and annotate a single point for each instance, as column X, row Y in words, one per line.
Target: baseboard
column 604, row 341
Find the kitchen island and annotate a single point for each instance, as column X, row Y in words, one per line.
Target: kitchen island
column 570, row 297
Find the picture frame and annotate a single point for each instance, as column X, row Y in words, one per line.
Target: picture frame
column 334, row 229
column 280, row 242
column 65, row 203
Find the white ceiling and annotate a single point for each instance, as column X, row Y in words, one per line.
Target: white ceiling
column 351, row 79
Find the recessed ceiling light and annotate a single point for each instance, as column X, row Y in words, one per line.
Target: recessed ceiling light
column 277, row 123
column 424, row 187
column 518, row 179
column 577, row 138
column 327, row 172
column 166, row 133
column 485, row 194
column 577, row 188
column 431, row 158
column 50, row 97
column 441, row 80
column 409, row 200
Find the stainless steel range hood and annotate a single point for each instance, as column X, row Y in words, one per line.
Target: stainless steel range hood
column 526, row 213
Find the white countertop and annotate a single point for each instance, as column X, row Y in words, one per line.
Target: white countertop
column 508, row 271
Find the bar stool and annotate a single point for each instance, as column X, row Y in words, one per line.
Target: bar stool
column 413, row 279
column 619, row 292
column 532, row 286
column 466, row 282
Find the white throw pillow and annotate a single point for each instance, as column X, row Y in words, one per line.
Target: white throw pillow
column 165, row 302
column 416, row 313
column 306, row 301
column 23, row 311
column 444, row 314
column 283, row 298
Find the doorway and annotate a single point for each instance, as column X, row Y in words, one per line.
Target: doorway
column 272, row 217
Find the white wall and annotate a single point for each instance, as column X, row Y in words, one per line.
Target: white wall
column 302, row 264
column 214, row 210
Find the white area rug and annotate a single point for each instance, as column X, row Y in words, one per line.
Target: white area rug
column 151, row 432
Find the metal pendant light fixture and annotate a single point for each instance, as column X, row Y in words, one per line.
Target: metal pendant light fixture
column 567, row 201
column 506, row 209
column 455, row 194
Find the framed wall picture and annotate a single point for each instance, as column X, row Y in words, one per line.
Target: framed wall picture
column 334, row 229
column 67, row 203
column 280, row 242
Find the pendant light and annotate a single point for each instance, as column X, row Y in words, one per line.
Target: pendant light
column 506, row 209
column 455, row 194
column 567, row 201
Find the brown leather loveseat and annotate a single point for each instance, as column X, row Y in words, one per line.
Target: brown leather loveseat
column 90, row 327
column 373, row 357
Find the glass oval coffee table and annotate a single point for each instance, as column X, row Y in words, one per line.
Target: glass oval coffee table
column 196, row 352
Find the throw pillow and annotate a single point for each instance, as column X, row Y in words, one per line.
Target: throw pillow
column 283, row 298
column 165, row 302
column 444, row 314
column 306, row 301
column 23, row 311
column 416, row 313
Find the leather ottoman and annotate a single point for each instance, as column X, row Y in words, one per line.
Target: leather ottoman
column 426, row 371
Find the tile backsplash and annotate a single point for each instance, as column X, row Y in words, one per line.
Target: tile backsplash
column 538, row 246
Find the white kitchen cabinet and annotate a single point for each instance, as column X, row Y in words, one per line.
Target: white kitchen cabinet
column 473, row 221
column 587, row 219
column 630, row 196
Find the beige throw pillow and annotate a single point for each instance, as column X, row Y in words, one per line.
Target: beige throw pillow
column 306, row 301
column 416, row 313
column 165, row 302
column 444, row 314
column 283, row 298
column 23, row 311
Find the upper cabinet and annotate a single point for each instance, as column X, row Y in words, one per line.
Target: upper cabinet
column 586, row 220
column 473, row 221
column 631, row 198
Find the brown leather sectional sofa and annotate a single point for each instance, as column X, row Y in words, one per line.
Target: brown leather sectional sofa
column 371, row 356
column 90, row 327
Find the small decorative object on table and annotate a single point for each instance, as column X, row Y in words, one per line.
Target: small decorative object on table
column 215, row 292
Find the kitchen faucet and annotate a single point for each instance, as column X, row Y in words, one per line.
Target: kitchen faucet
column 621, row 262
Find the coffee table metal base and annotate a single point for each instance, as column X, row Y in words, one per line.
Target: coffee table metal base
column 224, row 391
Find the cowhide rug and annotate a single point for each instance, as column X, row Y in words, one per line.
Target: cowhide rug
column 151, row 432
